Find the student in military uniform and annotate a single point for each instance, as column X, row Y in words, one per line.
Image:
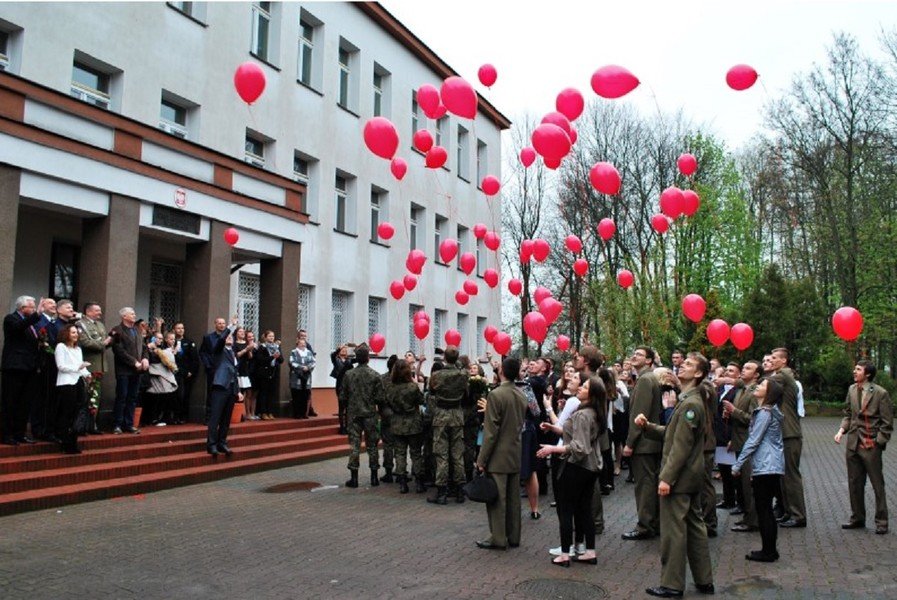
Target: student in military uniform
column 448, row 388
column 739, row 412
column 868, row 422
column 792, row 484
column 386, row 435
column 644, row 453
column 500, row 457
column 404, row 398
column 362, row 393
column 683, row 535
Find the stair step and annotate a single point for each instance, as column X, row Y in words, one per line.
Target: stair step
column 221, row 468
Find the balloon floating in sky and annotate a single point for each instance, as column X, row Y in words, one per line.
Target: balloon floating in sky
column 397, row 289
column 687, row 164
column 381, row 137
column 461, row 297
column 428, row 99
column 488, row 75
column 660, row 224
column 385, row 230
column 672, row 202
column 563, row 343
column 541, row 293
column 551, row 142
column 249, row 81
column 459, row 97
column 613, row 81
column 468, row 262
column 491, row 277
column 436, row 157
column 422, row 140
column 231, row 236
column 480, row 230
column 492, row 241
column 536, row 326
column 694, row 307
column 527, row 156
column 605, row 178
column 570, row 103
column 398, row 167
column 847, row 323
column 581, row 267
column 515, row 286
column 606, row 228
column 453, row 337
column 448, row 250
column 573, row 244
column 717, row 332
column 742, row 336
column 489, row 333
column 490, row 185
column 691, row 202
column 741, row 77
column 625, row 279
column 502, row 343
column 377, row 342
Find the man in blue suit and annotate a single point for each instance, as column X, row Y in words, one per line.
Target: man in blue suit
column 225, row 390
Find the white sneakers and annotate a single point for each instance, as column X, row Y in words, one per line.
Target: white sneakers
column 579, row 549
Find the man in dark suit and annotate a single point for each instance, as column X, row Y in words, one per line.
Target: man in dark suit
column 131, row 359
column 187, row 358
column 225, row 390
column 19, row 364
column 206, row 349
column 868, row 422
column 500, row 457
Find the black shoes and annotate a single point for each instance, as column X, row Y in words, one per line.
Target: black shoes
column 792, row 523
column 705, row 588
column 535, row 516
column 488, row 545
column 664, row 592
column 637, row 534
column 353, row 479
column 881, row 529
column 711, row 532
column 441, row 497
column 403, row 484
column 420, row 487
column 561, row 563
column 459, row 495
column 24, row 439
column 213, row 451
column 759, row 556
column 225, row 449
column 388, row 478
column 853, row 525
column 374, row 480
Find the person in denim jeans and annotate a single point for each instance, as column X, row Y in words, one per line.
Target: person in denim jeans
column 131, row 359
column 765, row 448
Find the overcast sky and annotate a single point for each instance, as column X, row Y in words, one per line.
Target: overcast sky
column 679, row 50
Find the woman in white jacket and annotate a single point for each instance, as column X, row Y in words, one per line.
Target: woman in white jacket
column 70, row 386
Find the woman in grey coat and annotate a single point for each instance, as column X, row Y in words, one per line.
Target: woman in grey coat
column 302, row 363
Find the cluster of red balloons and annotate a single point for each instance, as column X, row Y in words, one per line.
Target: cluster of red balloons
column 537, row 248
column 718, row 331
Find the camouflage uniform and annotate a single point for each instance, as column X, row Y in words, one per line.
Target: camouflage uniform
column 386, row 434
column 449, row 388
column 362, row 393
column 405, row 400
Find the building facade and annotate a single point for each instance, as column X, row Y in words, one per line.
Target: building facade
column 125, row 153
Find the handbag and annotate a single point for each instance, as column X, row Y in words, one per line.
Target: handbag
column 82, row 421
column 481, row 489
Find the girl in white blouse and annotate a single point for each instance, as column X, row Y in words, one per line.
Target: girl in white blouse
column 70, row 387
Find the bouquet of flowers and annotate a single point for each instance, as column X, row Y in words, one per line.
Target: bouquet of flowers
column 93, row 392
column 43, row 340
column 479, row 387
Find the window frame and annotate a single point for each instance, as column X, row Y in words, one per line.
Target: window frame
column 306, row 60
column 259, row 12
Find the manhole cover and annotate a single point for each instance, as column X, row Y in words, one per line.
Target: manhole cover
column 560, row 589
column 295, row 486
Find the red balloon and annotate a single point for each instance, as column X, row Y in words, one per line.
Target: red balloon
column 613, row 81
column 453, row 337
column 471, row 287
column 385, row 230
column 422, row 140
column 717, row 332
column 552, row 163
column 439, row 112
column 606, row 228
column 428, row 99
column 249, row 80
column 691, row 202
column 551, row 142
column 489, row 333
column 410, row 282
column 526, row 250
column 694, row 307
column 448, row 250
column 536, row 326
column 491, row 277
column 605, row 178
column 468, row 262
column 625, row 279
column 479, row 231
column 540, row 294
column 573, row 136
column 581, row 267
column 377, row 343
column 492, row 241
column 515, row 286
column 672, row 202
column 527, row 156
column 573, row 243
column 421, row 314
column 459, row 97
column 741, row 77
column 556, row 118
column 660, row 223
column 381, row 137
column 421, row 329
column 541, row 249
column 847, row 323
column 415, row 261
column 399, row 167
column 231, row 236
column 461, row 297
column 490, row 185
column 563, row 343
column 502, row 343
column 570, row 103
column 436, row 157
column 397, row 289
column 687, row 164
column 551, row 308
column 742, row 336
column 488, row 75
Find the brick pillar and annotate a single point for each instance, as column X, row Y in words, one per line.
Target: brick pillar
column 108, row 273
column 278, row 302
column 205, row 296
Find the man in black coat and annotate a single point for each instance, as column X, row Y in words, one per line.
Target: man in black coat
column 187, row 358
column 19, row 364
column 206, row 349
column 225, row 391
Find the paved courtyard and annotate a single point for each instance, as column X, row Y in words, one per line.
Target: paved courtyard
column 231, row 539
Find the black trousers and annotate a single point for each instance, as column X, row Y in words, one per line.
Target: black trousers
column 575, row 487
column 70, row 398
column 267, row 396
column 222, row 406
column 44, row 404
column 300, row 402
column 725, row 473
column 17, row 390
column 764, row 488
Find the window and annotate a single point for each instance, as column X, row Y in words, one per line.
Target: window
column 462, row 329
column 481, row 256
column 463, row 241
column 90, row 85
column 482, row 162
column 165, row 292
column 440, row 326
column 173, row 117
column 64, row 271
column 481, row 341
column 342, row 201
column 415, row 115
column 300, row 174
column 441, row 131
column 378, row 211
column 261, row 29
column 4, row 51
column 249, row 288
column 416, row 226
column 348, row 76
column 306, row 50
column 305, row 171
column 376, row 315
column 414, row 344
column 463, row 156
column 304, row 309
column 340, row 318
column 439, row 234
column 254, row 149
column 381, row 92
column 184, row 7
